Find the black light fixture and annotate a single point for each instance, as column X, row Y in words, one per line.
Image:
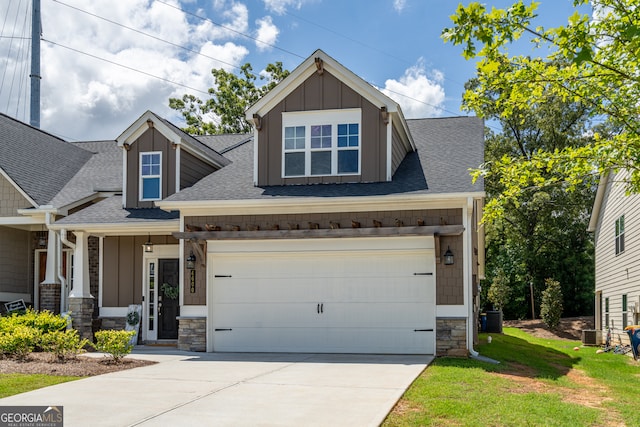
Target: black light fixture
column 148, row 247
column 191, row 261
column 448, row 257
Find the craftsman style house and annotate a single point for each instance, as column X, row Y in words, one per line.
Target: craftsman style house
column 337, row 226
column 616, row 253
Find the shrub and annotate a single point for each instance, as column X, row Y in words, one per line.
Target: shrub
column 19, row 342
column 114, row 343
column 551, row 306
column 44, row 321
column 63, row 344
column 499, row 291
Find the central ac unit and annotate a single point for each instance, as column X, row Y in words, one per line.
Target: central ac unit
column 591, row 337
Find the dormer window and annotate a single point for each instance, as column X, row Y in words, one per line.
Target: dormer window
column 150, row 176
column 321, row 143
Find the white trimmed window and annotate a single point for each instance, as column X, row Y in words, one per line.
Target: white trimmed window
column 150, row 176
column 321, row 143
column 620, row 235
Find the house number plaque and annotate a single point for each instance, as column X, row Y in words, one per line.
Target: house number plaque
column 192, row 281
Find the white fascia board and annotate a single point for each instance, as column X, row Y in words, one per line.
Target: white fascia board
column 140, row 126
column 597, row 204
column 21, row 220
column 305, row 70
column 17, row 187
column 164, row 228
column 320, row 204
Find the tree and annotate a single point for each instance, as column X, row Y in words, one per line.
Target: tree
column 551, row 309
column 224, row 111
column 541, row 231
column 591, row 62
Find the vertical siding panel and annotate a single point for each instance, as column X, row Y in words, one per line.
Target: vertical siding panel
column 110, row 279
column 125, row 271
column 331, row 92
column 313, row 96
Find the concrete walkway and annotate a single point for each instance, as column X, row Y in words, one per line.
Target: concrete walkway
column 235, row 389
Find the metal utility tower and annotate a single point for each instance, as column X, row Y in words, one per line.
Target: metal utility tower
column 36, row 27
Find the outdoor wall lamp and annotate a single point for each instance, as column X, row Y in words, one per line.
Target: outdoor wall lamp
column 191, row 261
column 148, row 247
column 448, row 257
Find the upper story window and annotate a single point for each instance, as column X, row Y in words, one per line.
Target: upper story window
column 321, row 143
column 620, row 235
column 150, row 175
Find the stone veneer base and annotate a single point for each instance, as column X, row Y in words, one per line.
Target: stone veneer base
column 82, row 316
column 451, row 337
column 192, row 333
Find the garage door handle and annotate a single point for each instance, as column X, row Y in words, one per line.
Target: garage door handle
column 223, row 329
column 322, row 308
column 423, row 330
column 318, row 308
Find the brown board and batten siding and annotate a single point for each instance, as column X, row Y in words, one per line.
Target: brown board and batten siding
column 151, row 140
column 192, row 169
column 122, row 268
column 323, row 92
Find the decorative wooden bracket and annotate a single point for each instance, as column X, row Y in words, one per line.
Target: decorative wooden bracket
column 319, row 65
column 385, row 115
column 150, row 123
column 199, row 250
column 257, row 121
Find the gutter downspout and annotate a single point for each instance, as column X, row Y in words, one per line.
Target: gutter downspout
column 63, row 281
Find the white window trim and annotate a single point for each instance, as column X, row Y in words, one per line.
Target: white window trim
column 618, row 236
column 322, row 117
column 141, row 179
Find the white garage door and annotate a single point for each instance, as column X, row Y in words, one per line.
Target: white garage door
column 330, row 295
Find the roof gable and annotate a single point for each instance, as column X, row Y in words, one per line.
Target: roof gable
column 317, row 63
column 174, row 134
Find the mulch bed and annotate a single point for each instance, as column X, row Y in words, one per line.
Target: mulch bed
column 570, row 328
column 80, row 366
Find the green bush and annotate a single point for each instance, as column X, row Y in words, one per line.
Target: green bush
column 551, row 307
column 19, row 342
column 114, row 343
column 63, row 344
column 44, row 321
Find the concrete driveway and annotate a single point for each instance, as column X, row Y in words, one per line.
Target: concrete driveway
column 239, row 389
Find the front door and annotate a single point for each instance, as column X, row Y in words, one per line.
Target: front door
column 168, row 298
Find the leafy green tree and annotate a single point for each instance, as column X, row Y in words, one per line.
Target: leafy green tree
column 224, row 111
column 591, row 61
column 551, row 308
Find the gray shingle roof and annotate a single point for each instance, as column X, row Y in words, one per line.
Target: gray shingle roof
column 447, row 149
column 102, row 173
column 39, row 163
column 110, row 211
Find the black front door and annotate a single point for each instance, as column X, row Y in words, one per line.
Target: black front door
column 168, row 299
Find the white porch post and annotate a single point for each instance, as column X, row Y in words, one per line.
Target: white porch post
column 50, row 288
column 80, row 299
column 81, row 282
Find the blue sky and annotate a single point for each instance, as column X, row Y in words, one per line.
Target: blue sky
column 105, row 62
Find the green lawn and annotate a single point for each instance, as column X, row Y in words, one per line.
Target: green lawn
column 539, row 382
column 11, row 384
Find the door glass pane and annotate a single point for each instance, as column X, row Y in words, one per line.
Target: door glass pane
column 152, row 294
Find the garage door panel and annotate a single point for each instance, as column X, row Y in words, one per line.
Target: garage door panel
column 361, row 301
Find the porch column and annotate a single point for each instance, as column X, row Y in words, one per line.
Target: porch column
column 50, row 287
column 80, row 298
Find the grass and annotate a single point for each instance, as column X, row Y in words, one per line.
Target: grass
column 11, row 384
column 539, row 382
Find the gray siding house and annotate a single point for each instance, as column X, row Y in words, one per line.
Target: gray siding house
column 336, row 226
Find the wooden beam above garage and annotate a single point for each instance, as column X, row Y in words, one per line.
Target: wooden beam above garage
column 439, row 230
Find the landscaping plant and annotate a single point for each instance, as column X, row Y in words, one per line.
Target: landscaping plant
column 114, row 343
column 63, row 344
column 551, row 307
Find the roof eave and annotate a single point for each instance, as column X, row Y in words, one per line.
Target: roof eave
column 597, row 203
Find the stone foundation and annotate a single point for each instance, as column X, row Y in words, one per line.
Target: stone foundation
column 82, row 316
column 113, row 323
column 192, row 333
column 451, row 337
column 50, row 297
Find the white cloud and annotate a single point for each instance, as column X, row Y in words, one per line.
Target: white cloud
column 420, row 94
column 399, row 5
column 87, row 98
column 281, row 6
column 267, row 33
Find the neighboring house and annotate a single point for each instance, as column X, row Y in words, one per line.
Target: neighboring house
column 337, row 226
column 614, row 220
